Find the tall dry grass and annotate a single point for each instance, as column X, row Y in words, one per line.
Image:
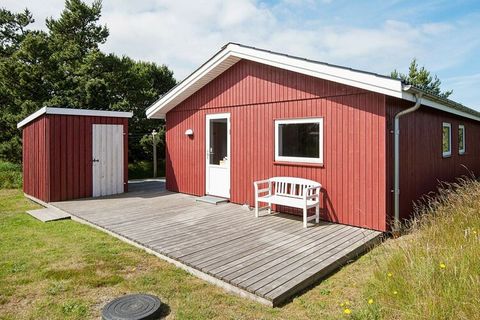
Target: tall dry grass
column 433, row 271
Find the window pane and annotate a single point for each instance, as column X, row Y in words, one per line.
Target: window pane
column 446, row 139
column 461, row 138
column 218, row 141
column 299, row 140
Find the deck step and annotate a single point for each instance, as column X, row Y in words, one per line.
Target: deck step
column 211, row 199
column 48, row 214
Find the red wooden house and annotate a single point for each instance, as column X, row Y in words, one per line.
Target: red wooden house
column 248, row 114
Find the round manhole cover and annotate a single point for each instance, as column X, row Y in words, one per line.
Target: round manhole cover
column 133, row 307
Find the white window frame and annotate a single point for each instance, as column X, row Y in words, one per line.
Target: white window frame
column 462, row 128
column 318, row 160
column 449, row 152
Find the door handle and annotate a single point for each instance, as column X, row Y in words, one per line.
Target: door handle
column 95, row 160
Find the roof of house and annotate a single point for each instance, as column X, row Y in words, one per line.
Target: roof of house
column 231, row 53
column 74, row 112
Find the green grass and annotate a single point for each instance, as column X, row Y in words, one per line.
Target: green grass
column 10, row 175
column 144, row 169
column 66, row 270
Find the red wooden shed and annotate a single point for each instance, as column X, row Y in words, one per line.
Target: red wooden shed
column 248, row 114
column 74, row 153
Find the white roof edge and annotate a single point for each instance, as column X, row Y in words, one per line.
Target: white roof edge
column 74, row 112
column 351, row 77
column 433, row 104
column 346, row 76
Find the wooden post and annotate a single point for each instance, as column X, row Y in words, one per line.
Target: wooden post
column 154, row 154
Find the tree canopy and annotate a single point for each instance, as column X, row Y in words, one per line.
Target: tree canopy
column 64, row 67
column 422, row 78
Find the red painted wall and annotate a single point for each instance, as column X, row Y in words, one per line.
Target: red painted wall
column 64, row 146
column 35, row 168
column 354, row 170
column 422, row 165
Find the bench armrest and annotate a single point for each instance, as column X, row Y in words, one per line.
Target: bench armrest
column 315, row 195
column 258, row 191
column 261, row 181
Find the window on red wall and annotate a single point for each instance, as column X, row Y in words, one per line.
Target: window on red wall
column 447, row 139
column 299, row 140
column 461, row 139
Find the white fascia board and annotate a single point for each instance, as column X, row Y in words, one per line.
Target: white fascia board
column 433, row 104
column 159, row 108
column 74, row 112
column 367, row 81
column 31, row 117
column 235, row 52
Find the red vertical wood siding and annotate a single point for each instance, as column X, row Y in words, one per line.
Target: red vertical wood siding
column 57, row 156
column 422, row 165
column 35, row 168
column 353, row 174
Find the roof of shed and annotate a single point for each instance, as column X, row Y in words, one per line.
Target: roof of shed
column 74, row 112
column 231, row 53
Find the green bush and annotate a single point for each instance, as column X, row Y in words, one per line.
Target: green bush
column 10, row 175
column 144, row 169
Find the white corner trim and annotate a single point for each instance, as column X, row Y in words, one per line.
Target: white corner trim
column 74, row 112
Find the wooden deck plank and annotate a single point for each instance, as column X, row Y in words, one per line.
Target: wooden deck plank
column 250, row 228
column 223, row 268
column 322, row 269
column 232, row 251
column 271, row 257
column 215, row 238
column 271, row 264
column 292, row 266
column 176, row 226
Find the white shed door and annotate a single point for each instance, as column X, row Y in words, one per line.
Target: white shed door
column 107, row 151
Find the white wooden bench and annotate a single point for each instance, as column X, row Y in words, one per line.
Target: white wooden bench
column 290, row 192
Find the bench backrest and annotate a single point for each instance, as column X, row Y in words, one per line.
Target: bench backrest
column 293, row 187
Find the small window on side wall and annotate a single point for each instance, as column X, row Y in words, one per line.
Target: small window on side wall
column 461, row 139
column 299, row 140
column 447, row 139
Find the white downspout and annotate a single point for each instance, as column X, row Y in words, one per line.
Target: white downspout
column 396, row 160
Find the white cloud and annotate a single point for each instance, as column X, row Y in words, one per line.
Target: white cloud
column 183, row 34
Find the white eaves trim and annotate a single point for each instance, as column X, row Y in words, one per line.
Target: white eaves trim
column 433, row 104
column 74, row 112
column 232, row 53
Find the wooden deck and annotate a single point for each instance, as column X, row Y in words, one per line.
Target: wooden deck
column 268, row 259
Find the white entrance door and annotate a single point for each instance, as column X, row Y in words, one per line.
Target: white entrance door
column 107, row 152
column 218, row 155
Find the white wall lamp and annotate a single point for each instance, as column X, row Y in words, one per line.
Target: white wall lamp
column 189, row 132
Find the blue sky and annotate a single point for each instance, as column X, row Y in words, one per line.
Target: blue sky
column 376, row 36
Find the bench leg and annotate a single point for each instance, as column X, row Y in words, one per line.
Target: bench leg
column 317, row 214
column 304, row 217
column 256, row 208
column 269, row 208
